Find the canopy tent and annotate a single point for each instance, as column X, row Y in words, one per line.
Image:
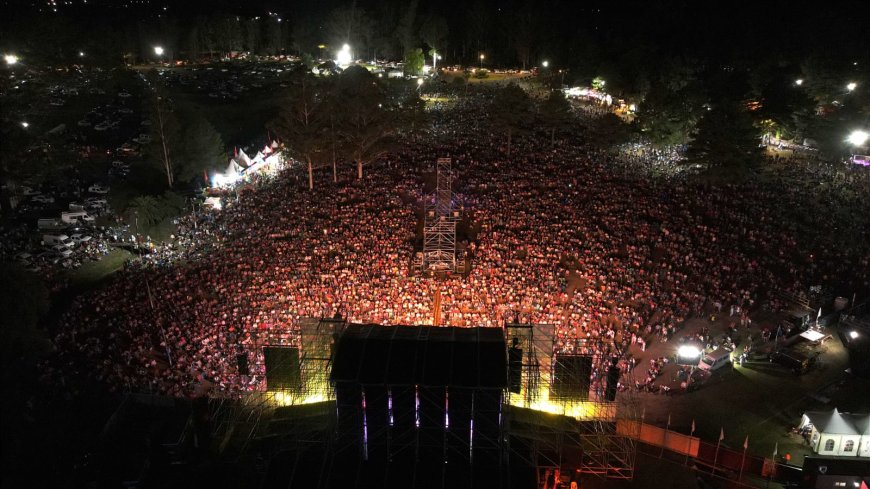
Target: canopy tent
column 812, row 335
column 268, row 160
column 836, row 433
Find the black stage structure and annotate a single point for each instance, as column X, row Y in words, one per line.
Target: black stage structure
column 421, row 406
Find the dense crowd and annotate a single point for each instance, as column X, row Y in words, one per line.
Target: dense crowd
column 559, row 235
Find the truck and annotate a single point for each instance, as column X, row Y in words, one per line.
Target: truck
column 797, row 362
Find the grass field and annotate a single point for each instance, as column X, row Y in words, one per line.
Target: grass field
column 93, row 272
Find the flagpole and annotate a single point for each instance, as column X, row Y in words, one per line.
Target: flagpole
column 665, row 440
column 773, row 465
column 742, row 460
column 716, row 457
column 689, row 448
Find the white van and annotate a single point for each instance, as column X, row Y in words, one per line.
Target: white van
column 51, row 224
column 57, row 239
column 73, row 217
column 715, row 360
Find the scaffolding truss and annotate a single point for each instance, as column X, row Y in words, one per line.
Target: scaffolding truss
column 439, row 223
column 583, row 436
column 536, row 341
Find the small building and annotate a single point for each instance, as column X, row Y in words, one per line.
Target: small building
column 839, row 434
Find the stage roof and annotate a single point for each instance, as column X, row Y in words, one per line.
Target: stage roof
column 421, row 355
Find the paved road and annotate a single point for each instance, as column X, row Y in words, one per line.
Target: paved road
column 761, row 400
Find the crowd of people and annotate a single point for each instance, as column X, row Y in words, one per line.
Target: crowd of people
column 552, row 234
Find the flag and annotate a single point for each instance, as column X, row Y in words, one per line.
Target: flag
column 746, row 443
column 693, row 427
column 819, row 314
column 721, row 434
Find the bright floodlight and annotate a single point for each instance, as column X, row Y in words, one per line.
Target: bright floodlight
column 799, row 82
column 158, row 50
column 25, row 124
column 11, row 59
column 851, row 86
column 419, row 81
column 343, row 57
column 853, row 334
column 545, row 64
column 858, row 138
column 689, row 351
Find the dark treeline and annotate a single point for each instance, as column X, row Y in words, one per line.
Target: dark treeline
column 674, row 58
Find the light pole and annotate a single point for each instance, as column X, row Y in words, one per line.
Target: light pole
column 158, row 50
column 343, row 57
column 482, row 57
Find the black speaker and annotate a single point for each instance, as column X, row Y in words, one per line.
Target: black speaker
column 515, row 369
column 571, row 377
column 282, row 367
column 242, row 362
column 612, row 381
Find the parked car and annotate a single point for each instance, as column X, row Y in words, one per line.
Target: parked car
column 57, row 239
column 80, row 238
column 60, row 250
column 96, row 202
column 43, row 199
column 98, row 189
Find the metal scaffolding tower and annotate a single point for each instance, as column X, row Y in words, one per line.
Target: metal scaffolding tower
column 439, row 225
column 593, row 436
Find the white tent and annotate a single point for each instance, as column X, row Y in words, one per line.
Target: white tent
column 836, row 433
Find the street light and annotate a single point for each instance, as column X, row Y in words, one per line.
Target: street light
column 545, row 64
column 419, row 82
column 24, row 124
column 11, row 59
column 851, row 86
column 158, row 50
column 799, row 82
column 853, row 334
column 81, row 54
column 482, row 56
column 858, row 138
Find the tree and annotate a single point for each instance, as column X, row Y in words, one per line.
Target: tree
column 350, row 25
column 406, row 34
column 414, row 61
column 510, row 109
column 164, row 130
column 555, row 114
column 301, row 125
column 366, row 126
column 523, row 30
column 725, row 141
column 668, row 115
column 201, row 150
column 144, row 211
column 434, row 32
